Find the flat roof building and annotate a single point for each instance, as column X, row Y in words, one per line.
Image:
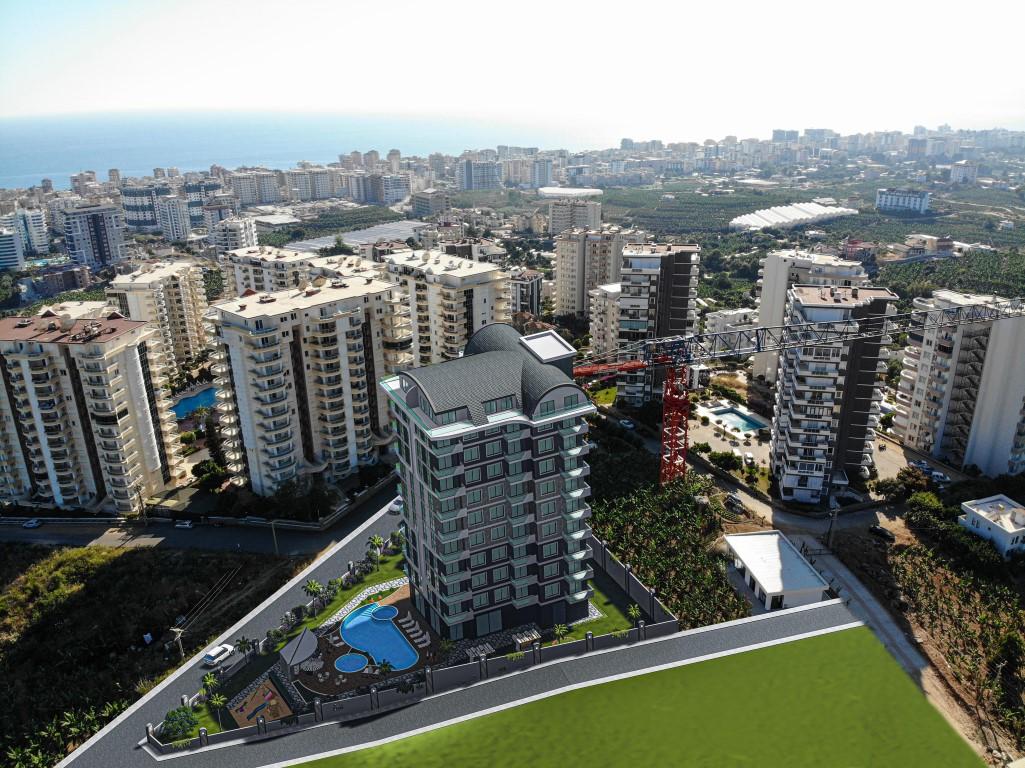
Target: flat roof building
column 777, row 573
column 998, row 519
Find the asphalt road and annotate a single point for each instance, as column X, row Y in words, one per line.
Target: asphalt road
column 248, row 539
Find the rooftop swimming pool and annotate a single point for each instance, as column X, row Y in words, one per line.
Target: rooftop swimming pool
column 734, row 418
column 370, row 629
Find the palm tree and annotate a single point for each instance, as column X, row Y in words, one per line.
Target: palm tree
column 376, row 543
column 314, row 589
column 385, row 667
column 218, row 702
column 634, row 612
column 560, row 631
column 398, row 539
column 245, row 645
column 210, row 683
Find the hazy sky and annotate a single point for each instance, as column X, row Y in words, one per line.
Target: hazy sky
column 593, row 70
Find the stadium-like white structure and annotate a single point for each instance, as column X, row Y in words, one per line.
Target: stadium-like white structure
column 786, row 216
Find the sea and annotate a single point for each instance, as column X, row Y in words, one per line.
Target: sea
column 34, row 148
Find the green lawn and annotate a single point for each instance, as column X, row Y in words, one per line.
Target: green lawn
column 606, row 396
column 832, row 700
column 610, row 600
column 205, row 718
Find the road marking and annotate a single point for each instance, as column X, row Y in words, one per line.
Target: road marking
column 186, row 666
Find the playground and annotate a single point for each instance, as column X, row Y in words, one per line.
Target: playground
column 266, row 701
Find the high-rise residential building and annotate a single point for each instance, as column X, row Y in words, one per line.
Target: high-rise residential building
column 297, row 372
column 394, row 160
column 782, row 269
column 541, row 173
column 658, row 297
column 218, row 208
column 322, row 184
column 232, row 234
column 902, row 200
column 268, row 269
column 525, row 290
column 12, row 252
column 961, row 395
column 604, row 316
column 449, row 298
column 256, row 187
column 84, row 415
column 171, row 297
column 387, row 188
column 478, row 174
column 297, row 184
column 731, row 320
column 94, row 235
column 173, row 217
column 80, row 182
column 114, row 177
column 430, row 202
column 585, row 259
column 30, row 223
column 198, row 191
column 139, row 202
column 371, row 159
column 828, row 396
column 569, row 213
column 491, row 451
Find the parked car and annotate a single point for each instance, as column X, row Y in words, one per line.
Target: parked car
column 396, row 506
column 749, row 459
column 920, row 464
column 734, row 502
column 939, row 477
column 187, row 524
column 217, row 654
column 627, row 424
column 35, row 522
column 882, row 533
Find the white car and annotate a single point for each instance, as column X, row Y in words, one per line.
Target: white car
column 35, row 522
column 939, row 477
column 183, row 524
column 396, row 506
column 217, row 654
column 626, row 424
column 749, row 459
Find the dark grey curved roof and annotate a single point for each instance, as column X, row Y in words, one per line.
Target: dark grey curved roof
column 494, row 365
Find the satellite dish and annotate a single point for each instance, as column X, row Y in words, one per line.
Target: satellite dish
column 303, row 284
column 67, row 322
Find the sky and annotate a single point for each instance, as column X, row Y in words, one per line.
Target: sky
column 595, row 71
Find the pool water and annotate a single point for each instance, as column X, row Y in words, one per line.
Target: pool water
column 370, row 629
column 731, row 418
column 203, row 399
column 351, row 662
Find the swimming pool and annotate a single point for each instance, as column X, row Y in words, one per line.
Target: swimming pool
column 202, row 399
column 731, row 417
column 370, row 629
column 351, row 662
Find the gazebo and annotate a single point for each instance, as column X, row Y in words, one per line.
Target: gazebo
column 298, row 650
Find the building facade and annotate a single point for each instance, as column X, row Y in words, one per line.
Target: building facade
column 571, row 213
column 731, row 320
column 491, row 452
column 478, row 174
column 585, row 259
column 232, row 234
column 12, row 251
column 139, row 202
column 998, row 519
column 173, row 217
column 902, row 200
column 84, row 418
column 604, row 319
column 430, row 202
column 525, row 290
column 94, row 235
column 827, row 396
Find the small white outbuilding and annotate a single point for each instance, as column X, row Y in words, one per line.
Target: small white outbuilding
column 777, row 573
column 998, row 519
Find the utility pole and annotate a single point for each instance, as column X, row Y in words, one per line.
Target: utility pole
column 274, row 535
column 832, row 528
column 178, row 639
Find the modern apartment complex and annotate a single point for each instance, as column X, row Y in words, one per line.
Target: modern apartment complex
column 30, row 223
column 525, row 290
column 84, row 418
column 571, row 213
column 232, row 234
column 491, row 460
column 827, row 397
column 478, row 174
column 783, row 269
column 172, row 298
column 12, row 250
column 297, row 372
column 961, row 395
column 430, row 202
column 173, row 217
column 902, row 200
column 731, row 320
column 94, row 234
column 585, row 259
column 139, row 202
column 604, row 316
column 266, row 269
column 256, row 187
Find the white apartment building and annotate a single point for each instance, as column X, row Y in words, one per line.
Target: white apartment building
column 585, row 259
column 964, row 172
column 297, row 372
column 30, row 223
column 902, row 200
column 541, row 174
column 783, row 269
column 491, row 450
column 233, row 234
column 731, row 320
column 12, row 252
column 449, row 299
column 171, row 297
column 998, row 519
column 94, row 234
column 827, row 397
column 525, row 290
column 173, row 217
column 478, row 174
column 266, row 269
column 604, row 317
column 218, row 208
column 961, row 396
column 139, row 202
column 430, row 202
column 298, row 184
column 84, row 417
column 570, row 213
column 256, row 187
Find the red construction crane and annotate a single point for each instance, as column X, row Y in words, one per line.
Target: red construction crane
column 676, row 353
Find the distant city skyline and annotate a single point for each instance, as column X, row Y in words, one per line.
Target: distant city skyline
column 645, row 71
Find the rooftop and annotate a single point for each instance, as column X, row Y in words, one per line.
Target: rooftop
column 548, row 346
column 151, row 273
column 437, row 262
column 319, row 291
column 999, row 510
column 658, row 249
column 774, row 562
column 269, row 253
column 821, row 296
column 54, row 330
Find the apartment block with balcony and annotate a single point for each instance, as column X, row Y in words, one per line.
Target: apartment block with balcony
column 449, row 298
column 828, row 396
column 266, row 269
column 585, row 259
column 782, row 269
column 172, row 298
column 297, row 373
column 604, row 319
column 491, row 450
column 84, row 418
column 961, row 396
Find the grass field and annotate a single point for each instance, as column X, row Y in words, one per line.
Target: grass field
column 604, row 396
column 832, row 700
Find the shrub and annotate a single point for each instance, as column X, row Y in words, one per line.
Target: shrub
column 704, row 421
column 725, row 460
column 178, row 724
column 188, row 438
column 701, row 448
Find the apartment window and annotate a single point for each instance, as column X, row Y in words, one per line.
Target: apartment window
column 545, row 466
column 519, row 531
column 520, row 552
column 478, row 580
column 498, row 533
column 499, row 553
column 518, row 510
column 545, row 488
column 476, row 517
column 547, row 407
column 493, row 448
column 495, row 491
column 480, row 600
column 446, row 483
column 551, row 549
column 476, row 538
column 474, row 496
column 494, row 470
column 501, row 404
column 471, row 454
column 496, row 512
column 477, row 559
column 570, row 400
column 546, row 509
column 472, row 476
column 522, row 592
column 545, row 445
column 500, row 574
column 551, row 590
column 450, row 547
column 550, row 570
column 501, row 594
column 549, row 529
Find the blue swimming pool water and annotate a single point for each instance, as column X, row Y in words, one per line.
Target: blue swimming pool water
column 351, row 662
column 731, row 417
column 385, row 613
column 379, row 637
column 204, row 398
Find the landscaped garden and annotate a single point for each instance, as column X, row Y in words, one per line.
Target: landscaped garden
column 835, row 699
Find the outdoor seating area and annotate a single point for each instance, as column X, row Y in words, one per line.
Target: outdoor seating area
column 419, row 637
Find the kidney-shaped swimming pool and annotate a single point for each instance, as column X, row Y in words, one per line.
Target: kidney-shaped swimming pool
column 370, row 629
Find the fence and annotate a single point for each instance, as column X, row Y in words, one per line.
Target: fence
column 629, row 583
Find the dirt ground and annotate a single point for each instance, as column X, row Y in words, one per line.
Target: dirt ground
column 265, row 701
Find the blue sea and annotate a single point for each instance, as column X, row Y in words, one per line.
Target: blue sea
column 56, row 147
